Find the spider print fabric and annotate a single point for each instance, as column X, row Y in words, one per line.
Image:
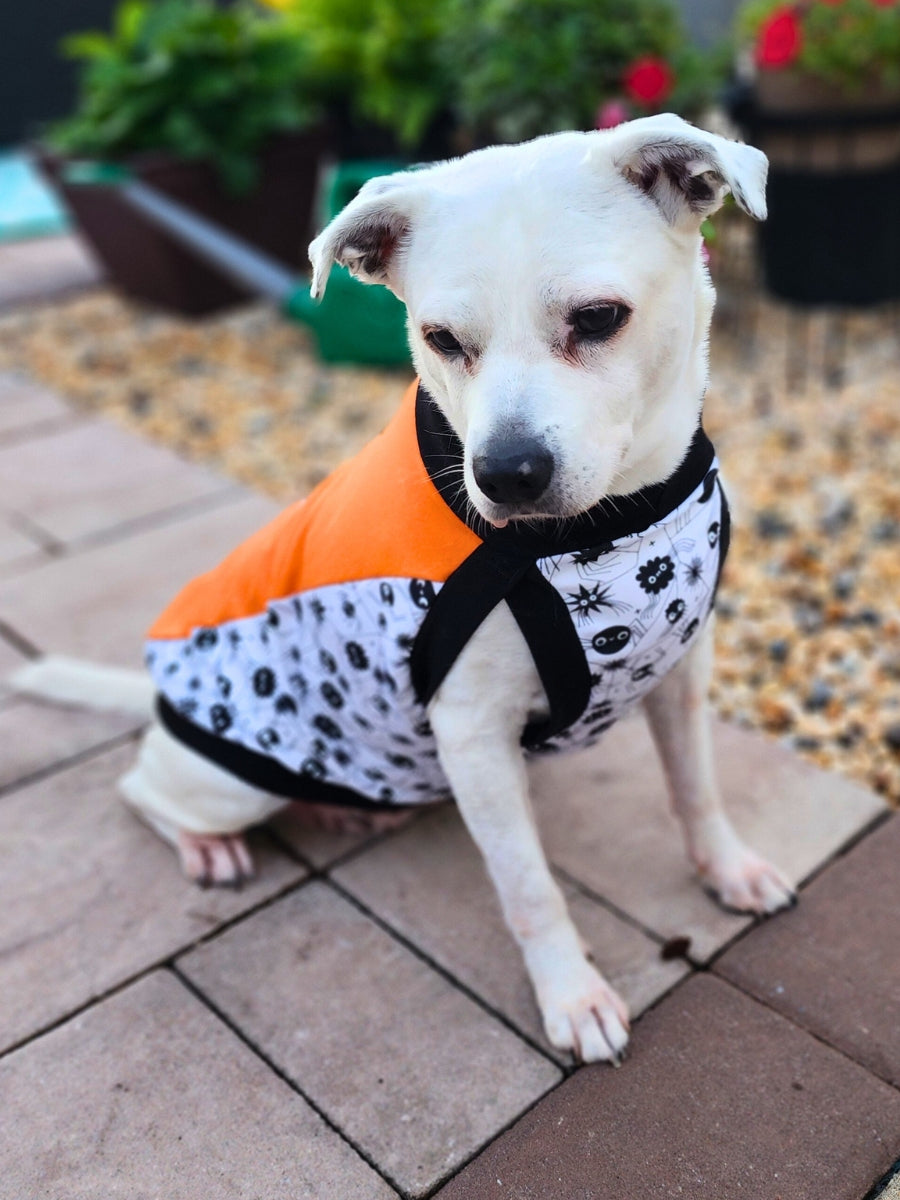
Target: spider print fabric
column 321, row 684
column 320, row 681
column 638, row 607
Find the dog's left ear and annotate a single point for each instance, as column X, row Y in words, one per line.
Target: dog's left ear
column 687, row 171
column 367, row 237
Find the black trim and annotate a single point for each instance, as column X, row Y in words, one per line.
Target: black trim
column 259, row 770
column 442, row 455
column 503, row 568
column 724, row 540
column 547, row 627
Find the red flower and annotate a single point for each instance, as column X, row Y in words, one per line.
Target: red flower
column 611, row 113
column 648, row 80
column 780, row 39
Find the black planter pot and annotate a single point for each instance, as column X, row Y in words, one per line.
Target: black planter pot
column 146, row 263
column 832, row 234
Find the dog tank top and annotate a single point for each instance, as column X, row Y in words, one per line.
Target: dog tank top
column 304, row 662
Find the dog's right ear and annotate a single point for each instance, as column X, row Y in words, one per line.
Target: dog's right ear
column 368, row 236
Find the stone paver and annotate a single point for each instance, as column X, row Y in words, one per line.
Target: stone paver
column 430, row 884
column 719, row 1098
column 150, row 1097
column 41, row 268
column 412, row 1071
column 605, row 821
column 27, row 409
column 92, row 477
column 89, row 896
column 10, row 659
column 834, row 965
column 98, row 603
column 17, row 548
column 35, row 736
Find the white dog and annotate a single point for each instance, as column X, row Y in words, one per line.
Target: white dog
column 559, row 311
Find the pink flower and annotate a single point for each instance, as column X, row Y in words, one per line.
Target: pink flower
column 611, row 113
column 780, row 39
column 649, row 80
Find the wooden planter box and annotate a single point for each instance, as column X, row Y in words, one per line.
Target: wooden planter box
column 145, row 263
column 832, row 236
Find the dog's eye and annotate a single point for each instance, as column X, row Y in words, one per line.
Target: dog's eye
column 443, row 341
column 598, row 321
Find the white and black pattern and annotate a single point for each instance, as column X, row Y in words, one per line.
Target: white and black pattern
column 320, row 682
column 661, row 584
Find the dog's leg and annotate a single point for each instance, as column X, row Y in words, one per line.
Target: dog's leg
column 201, row 810
column 678, row 714
column 478, row 715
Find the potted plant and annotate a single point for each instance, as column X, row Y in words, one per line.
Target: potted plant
column 378, row 68
column 820, row 94
column 527, row 67
column 210, row 105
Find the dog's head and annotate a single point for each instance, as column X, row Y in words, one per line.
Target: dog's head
column 558, row 302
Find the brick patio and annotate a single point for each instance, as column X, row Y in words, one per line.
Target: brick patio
column 356, row 1023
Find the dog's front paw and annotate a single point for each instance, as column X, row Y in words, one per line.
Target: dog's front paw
column 581, row 1012
column 740, row 879
column 215, row 859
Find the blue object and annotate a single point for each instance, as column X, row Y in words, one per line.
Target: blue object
column 28, row 208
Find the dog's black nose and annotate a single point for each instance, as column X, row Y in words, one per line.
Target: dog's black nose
column 514, row 472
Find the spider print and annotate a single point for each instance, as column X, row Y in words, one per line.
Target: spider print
column 314, row 768
column 585, row 557
column 675, row 611
column 690, row 631
column 205, row 639
column 611, row 640
column 348, row 609
column 693, row 572
column 422, row 592
column 357, row 656
column 325, row 725
column 286, row 704
column 656, row 574
column 318, row 608
column 234, row 637
column 592, row 600
column 385, row 679
column 328, row 661
column 264, row 682
column 220, row 718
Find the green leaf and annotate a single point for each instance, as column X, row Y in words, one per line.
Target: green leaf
column 89, row 45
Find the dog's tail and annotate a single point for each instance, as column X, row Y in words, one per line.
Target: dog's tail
column 72, row 681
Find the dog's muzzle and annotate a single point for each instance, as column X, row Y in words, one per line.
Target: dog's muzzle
column 516, row 473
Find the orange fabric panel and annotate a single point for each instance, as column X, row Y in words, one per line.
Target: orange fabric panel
column 377, row 515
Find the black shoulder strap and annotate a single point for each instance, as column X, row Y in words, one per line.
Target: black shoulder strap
column 493, row 573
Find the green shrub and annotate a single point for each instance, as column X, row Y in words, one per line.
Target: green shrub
column 381, row 60
column 189, row 78
column 526, row 67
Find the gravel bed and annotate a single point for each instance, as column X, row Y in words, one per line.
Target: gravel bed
column 804, row 410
